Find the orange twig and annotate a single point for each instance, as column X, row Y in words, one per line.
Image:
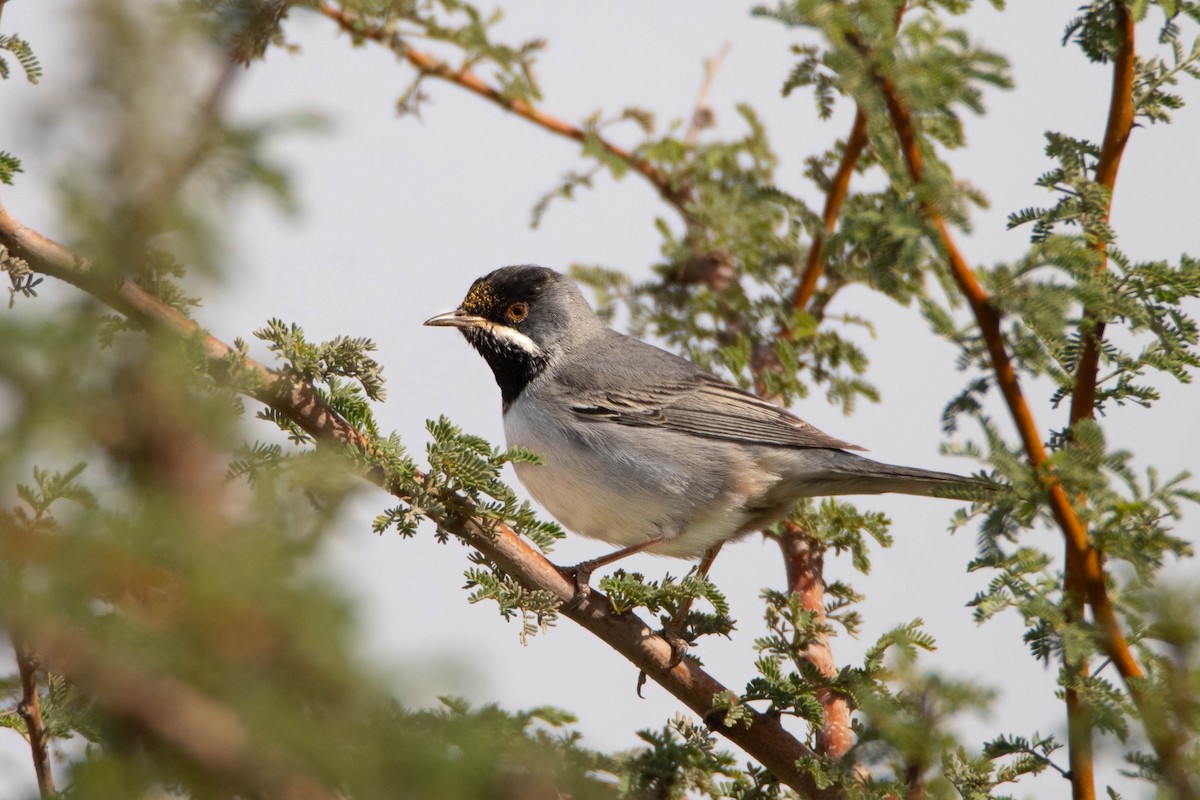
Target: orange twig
column 838, row 190
column 676, row 196
column 1080, row 551
column 1116, row 135
column 1079, row 721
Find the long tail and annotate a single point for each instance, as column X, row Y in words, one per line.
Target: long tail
column 849, row 473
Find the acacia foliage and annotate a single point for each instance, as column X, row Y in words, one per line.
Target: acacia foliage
column 181, row 555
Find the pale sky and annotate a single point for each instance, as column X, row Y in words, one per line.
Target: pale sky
column 400, row 215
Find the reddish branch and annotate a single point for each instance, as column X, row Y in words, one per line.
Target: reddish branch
column 426, row 64
column 804, row 559
column 764, row 738
column 803, row 556
column 30, row 710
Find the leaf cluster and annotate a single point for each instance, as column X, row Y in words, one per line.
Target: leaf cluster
column 629, row 591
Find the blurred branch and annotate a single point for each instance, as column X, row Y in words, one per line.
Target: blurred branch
column 30, row 710
column 676, row 196
column 764, row 738
column 702, row 113
column 1080, row 755
column 209, row 734
column 208, row 117
column 1116, row 135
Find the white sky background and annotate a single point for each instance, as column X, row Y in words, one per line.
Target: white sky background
column 400, row 215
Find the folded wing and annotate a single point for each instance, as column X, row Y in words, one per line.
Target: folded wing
column 705, row 408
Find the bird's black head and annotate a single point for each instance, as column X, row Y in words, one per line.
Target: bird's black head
column 520, row 319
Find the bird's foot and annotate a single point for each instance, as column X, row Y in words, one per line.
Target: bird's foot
column 679, row 649
column 579, row 575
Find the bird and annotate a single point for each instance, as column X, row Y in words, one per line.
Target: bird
column 641, row 448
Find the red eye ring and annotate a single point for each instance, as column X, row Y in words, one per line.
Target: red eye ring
column 517, row 312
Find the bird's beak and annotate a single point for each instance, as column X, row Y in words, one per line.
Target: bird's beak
column 455, row 319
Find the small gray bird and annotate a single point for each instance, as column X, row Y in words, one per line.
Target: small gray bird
column 644, row 449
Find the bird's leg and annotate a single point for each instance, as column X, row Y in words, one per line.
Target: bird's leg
column 581, row 573
column 672, row 629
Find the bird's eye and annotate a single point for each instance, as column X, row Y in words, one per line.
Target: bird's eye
column 517, row 312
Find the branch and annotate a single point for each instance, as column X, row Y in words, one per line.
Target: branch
column 765, row 739
column 208, row 117
column 30, row 710
column 426, row 64
column 804, row 560
column 1116, row 134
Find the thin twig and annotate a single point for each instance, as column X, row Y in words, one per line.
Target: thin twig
column 765, row 739
column 676, row 196
column 839, row 188
column 702, row 113
column 30, row 710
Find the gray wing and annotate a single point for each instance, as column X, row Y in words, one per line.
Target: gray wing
column 628, row 382
column 708, row 410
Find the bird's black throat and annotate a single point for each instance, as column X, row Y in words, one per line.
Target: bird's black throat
column 512, row 365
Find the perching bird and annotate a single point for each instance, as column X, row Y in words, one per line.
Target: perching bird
column 642, row 448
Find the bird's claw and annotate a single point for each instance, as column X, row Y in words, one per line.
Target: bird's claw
column 679, row 649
